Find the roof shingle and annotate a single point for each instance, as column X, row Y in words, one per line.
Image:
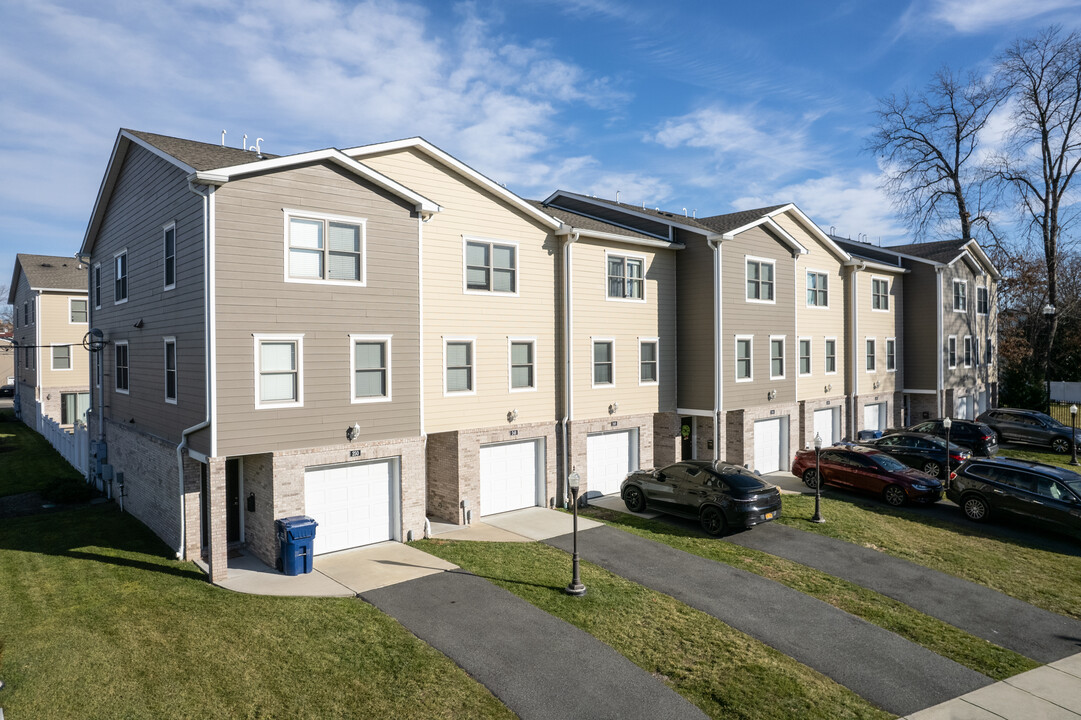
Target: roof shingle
column 199, row 155
column 50, row 272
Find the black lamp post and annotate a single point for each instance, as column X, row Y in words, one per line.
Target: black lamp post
column 946, row 472
column 576, row 587
column 818, row 481
column 1073, row 433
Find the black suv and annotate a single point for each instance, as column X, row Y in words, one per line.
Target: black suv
column 969, row 434
column 1030, row 426
column 718, row 495
column 1035, row 491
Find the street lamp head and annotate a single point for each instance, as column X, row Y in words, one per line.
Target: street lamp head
column 818, row 441
column 1073, row 409
column 947, row 423
column 574, row 481
column 1048, row 309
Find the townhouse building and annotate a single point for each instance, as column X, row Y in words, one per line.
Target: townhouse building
column 49, row 301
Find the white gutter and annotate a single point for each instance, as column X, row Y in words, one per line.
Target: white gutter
column 715, row 243
column 939, row 399
column 568, row 353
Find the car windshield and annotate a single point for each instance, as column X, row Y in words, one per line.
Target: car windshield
column 739, row 478
column 887, row 462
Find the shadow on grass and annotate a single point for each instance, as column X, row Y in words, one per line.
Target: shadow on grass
column 509, row 581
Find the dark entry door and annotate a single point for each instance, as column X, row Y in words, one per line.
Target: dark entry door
column 204, row 508
column 686, row 431
column 232, row 500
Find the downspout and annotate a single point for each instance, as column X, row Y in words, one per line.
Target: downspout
column 420, row 301
column 568, row 373
column 715, row 243
column 795, row 331
column 855, row 354
column 939, row 399
column 89, row 355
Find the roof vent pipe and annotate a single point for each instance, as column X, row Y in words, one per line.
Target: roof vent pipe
column 617, row 197
column 223, row 138
column 244, row 143
column 684, row 212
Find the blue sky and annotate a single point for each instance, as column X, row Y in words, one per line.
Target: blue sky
column 708, row 106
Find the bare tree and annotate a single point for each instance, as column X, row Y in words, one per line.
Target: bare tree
column 1044, row 150
column 929, row 143
column 7, row 313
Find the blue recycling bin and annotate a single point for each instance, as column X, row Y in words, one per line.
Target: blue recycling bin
column 296, row 536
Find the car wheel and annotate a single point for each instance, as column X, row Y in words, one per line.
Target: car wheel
column 932, row 468
column 713, row 521
column 810, row 478
column 634, row 498
column 894, row 495
column 1060, row 445
column 975, row 508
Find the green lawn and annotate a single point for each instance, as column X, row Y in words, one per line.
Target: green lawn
column 991, row 660
column 721, row 670
column 1034, row 453
column 27, row 461
column 97, row 622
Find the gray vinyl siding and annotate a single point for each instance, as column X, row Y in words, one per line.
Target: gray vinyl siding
column 920, row 319
column 694, row 320
column 149, row 193
column 253, row 297
column 966, row 323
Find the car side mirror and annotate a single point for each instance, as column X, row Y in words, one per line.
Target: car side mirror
column 658, row 475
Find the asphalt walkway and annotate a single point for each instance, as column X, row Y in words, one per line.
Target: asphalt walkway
column 986, row 613
column 536, row 664
column 891, row 672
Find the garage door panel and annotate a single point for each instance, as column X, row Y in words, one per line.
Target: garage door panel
column 824, row 424
column 353, row 505
column 509, row 475
column 767, row 445
column 610, row 458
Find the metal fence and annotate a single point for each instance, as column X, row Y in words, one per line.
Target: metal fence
column 1061, row 412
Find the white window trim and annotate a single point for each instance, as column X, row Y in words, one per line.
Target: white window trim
column 97, row 287
column 966, row 356
column 593, row 362
column 52, row 358
column 735, row 356
column 466, row 239
column 784, row 357
column 625, row 256
column 824, row 343
column 260, row 338
column 874, row 355
column 473, row 355
column 987, row 291
column 828, row 292
column 74, row 322
column 127, row 277
column 353, row 340
column 810, row 357
column 656, row 360
column 746, row 279
column 166, row 341
column 953, row 295
column 888, row 341
column 951, row 339
column 164, row 229
column 510, row 364
column 880, row 278
column 126, row 390
column 289, row 214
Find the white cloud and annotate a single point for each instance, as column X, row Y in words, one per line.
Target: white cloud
column 973, row 16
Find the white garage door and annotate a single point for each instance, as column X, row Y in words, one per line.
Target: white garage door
column 826, row 425
column 353, row 504
column 964, row 408
column 508, row 476
column 768, row 444
column 611, row 456
column 874, row 416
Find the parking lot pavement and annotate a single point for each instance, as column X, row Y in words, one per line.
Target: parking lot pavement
column 886, row 669
column 538, row 665
column 991, row 615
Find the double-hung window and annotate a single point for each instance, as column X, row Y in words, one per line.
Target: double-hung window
column 491, row 266
column 982, row 301
column 804, row 356
column 987, row 351
column 968, row 351
column 120, row 277
column 647, row 361
column 459, row 373
column 523, row 374
column 604, row 362
column 120, row 367
column 776, row 357
column 880, row 294
column 831, row 356
column 325, row 249
column 97, row 286
column 870, row 354
column 951, row 350
column 744, row 360
column 169, row 251
column 625, row 277
column 77, row 311
column 976, row 351
column 960, row 296
column 370, row 360
column 891, row 355
column 170, row 370
column 760, row 280
column 61, row 357
column 279, row 371
column 817, row 289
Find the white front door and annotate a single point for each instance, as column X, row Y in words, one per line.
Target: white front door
column 768, row 436
column 508, row 476
column 825, row 425
column 873, row 416
column 353, row 504
column 610, row 457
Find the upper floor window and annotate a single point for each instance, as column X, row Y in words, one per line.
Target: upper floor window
column 760, row 280
column 76, row 310
column 625, row 277
column 880, row 294
column 97, row 286
column 870, row 354
column 120, row 367
column 170, row 370
column 26, row 313
column 968, row 351
column 987, row 351
column 603, row 362
column 371, row 367
column 61, row 357
column 891, row 355
column 817, row 289
column 33, row 311
column 831, row 355
column 522, row 365
column 982, row 300
column 647, row 361
column 459, row 372
column 960, row 296
column 491, row 266
column 120, row 277
column 169, row 250
column 951, row 351
column 325, row 249
column 776, row 357
column 805, row 356
column 744, row 370
column 279, row 377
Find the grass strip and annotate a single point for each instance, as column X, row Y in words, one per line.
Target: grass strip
column 935, row 635
column 721, row 670
column 27, row 461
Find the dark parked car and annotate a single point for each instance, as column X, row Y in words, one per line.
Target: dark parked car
column 985, row 487
column 969, row 434
column 1030, row 426
column 7, row 391
column 921, row 451
column 865, row 469
column 719, row 495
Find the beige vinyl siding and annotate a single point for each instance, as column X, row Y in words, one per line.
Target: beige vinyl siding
column 252, row 297
column 149, row 193
column 694, row 318
column 25, row 335
column 880, row 326
column 450, row 312
column 920, row 318
column 761, row 320
column 967, row 323
column 56, row 329
column 625, row 323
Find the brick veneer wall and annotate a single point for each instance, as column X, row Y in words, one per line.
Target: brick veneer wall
column 920, row 403
column 443, row 488
column 259, row 531
column 739, row 431
column 667, row 441
column 577, row 443
column 806, row 435
column 50, row 404
column 150, row 479
column 893, row 410
column 703, row 427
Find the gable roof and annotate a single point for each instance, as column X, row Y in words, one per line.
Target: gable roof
column 198, row 155
column 48, row 272
column 943, row 251
column 449, row 161
column 591, row 227
column 938, row 253
column 576, row 202
column 732, row 221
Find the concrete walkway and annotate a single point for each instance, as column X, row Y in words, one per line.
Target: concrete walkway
column 886, row 669
column 538, row 665
column 986, row 613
